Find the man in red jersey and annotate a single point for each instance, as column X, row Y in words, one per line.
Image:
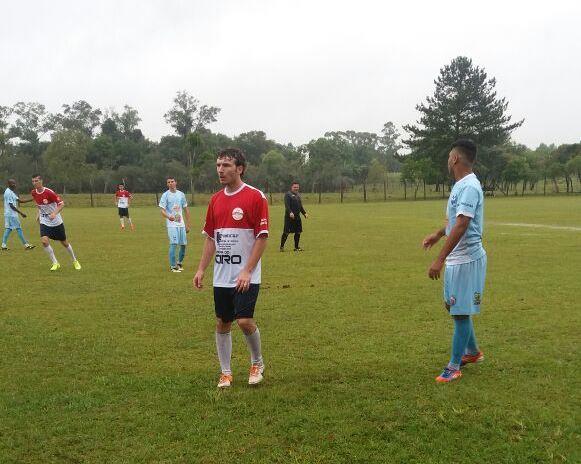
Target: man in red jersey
column 122, row 200
column 236, row 231
column 51, row 223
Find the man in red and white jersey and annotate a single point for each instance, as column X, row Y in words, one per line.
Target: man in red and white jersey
column 51, row 223
column 236, row 231
column 122, row 199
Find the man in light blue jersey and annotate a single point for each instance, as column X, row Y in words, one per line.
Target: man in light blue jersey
column 174, row 208
column 11, row 219
column 464, row 257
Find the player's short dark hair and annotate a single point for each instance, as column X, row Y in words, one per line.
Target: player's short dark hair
column 122, row 185
column 235, row 154
column 467, row 148
column 295, row 182
column 36, row 175
column 170, row 177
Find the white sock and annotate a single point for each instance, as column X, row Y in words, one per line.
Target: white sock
column 253, row 342
column 50, row 252
column 224, row 348
column 122, row 222
column 71, row 252
column 129, row 220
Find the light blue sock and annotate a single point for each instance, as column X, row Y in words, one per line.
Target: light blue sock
column 182, row 254
column 172, row 255
column 7, row 233
column 472, row 346
column 21, row 236
column 459, row 340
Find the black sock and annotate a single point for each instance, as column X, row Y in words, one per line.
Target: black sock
column 297, row 238
column 283, row 239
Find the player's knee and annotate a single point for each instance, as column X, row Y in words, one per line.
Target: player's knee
column 247, row 325
column 223, row 327
column 44, row 241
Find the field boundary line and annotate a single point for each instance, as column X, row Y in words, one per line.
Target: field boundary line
column 536, row 226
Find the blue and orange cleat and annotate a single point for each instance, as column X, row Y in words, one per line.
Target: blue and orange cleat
column 472, row 358
column 448, row 375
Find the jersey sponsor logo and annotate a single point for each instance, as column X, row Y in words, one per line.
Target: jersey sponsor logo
column 228, row 259
column 452, row 301
column 477, row 299
column 263, row 222
column 237, row 214
column 454, row 200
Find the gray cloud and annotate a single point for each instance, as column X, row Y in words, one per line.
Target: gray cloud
column 293, row 69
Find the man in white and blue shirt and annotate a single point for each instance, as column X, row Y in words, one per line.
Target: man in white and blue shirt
column 11, row 219
column 174, row 208
column 464, row 257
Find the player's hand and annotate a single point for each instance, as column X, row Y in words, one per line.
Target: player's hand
column 430, row 241
column 243, row 281
column 52, row 216
column 187, row 228
column 171, row 217
column 23, row 215
column 306, row 216
column 435, row 269
column 198, row 280
column 292, row 215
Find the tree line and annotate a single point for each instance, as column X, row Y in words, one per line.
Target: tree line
column 83, row 148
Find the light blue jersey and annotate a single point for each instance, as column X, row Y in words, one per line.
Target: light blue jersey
column 10, row 197
column 466, row 199
column 174, row 204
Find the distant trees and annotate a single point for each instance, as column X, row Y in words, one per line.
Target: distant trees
column 464, row 104
column 81, row 146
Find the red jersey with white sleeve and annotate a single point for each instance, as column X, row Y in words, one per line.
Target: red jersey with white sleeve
column 235, row 220
column 47, row 202
column 123, row 197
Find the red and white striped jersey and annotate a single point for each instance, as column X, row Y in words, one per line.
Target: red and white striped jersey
column 235, row 220
column 47, row 202
column 123, row 197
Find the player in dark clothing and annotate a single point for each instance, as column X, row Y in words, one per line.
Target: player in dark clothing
column 293, row 207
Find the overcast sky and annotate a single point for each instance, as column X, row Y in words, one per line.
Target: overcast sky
column 294, row 69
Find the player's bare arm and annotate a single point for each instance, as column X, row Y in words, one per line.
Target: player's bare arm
column 456, row 234
column 207, row 254
column 243, row 280
column 20, row 200
column 14, row 208
column 171, row 217
column 59, row 208
column 187, row 215
column 433, row 238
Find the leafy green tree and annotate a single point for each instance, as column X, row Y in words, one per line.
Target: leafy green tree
column 79, row 116
column 66, row 156
column 187, row 116
column 5, row 112
column 464, row 104
column 128, row 121
column 30, row 124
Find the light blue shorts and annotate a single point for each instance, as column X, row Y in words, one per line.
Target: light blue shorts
column 177, row 235
column 11, row 222
column 464, row 287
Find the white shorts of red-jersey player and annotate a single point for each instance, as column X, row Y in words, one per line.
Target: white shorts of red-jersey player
column 235, row 220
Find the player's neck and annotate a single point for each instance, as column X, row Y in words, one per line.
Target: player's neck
column 234, row 186
column 460, row 174
column 174, row 190
column 39, row 190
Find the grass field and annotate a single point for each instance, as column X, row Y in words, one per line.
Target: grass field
column 116, row 363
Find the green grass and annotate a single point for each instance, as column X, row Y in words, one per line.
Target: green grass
column 116, row 363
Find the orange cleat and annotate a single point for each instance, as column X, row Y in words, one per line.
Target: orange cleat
column 472, row 358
